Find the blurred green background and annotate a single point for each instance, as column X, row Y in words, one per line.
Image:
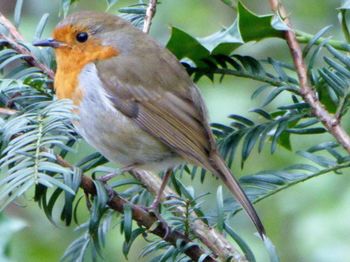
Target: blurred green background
column 308, row 222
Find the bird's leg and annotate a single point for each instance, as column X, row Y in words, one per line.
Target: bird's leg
column 104, row 179
column 154, row 207
column 155, row 204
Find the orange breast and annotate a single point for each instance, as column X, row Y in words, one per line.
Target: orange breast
column 71, row 60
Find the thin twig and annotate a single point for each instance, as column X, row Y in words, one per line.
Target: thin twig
column 13, row 41
column 143, row 218
column 151, row 10
column 329, row 121
column 11, row 28
column 7, row 111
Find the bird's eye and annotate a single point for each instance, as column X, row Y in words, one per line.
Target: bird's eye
column 82, row 37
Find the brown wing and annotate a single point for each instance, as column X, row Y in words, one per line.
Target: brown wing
column 167, row 105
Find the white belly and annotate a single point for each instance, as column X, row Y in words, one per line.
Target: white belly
column 116, row 136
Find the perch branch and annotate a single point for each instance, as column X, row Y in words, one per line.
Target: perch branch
column 151, row 10
column 330, row 122
column 7, row 111
column 215, row 241
column 142, row 217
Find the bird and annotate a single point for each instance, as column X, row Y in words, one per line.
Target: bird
column 135, row 102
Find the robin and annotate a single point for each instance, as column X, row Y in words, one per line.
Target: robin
column 136, row 103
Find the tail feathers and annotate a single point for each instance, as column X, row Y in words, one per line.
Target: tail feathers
column 224, row 173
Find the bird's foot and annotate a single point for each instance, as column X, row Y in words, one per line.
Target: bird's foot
column 104, row 179
column 110, row 192
column 153, row 209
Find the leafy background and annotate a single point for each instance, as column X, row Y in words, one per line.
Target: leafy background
column 307, row 222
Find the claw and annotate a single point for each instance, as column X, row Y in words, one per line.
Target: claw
column 110, row 192
column 153, row 209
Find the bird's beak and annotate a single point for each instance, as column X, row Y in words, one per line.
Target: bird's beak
column 49, row 42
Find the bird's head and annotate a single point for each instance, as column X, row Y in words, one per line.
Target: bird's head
column 83, row 38
column 91, row 36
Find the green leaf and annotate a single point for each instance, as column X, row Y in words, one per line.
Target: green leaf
column 242, row 119
column 110, row 3
column 91, row 161
column 203, row 257
column 247, row 27
column 72, row 180
column 41, row 26
column 187, row 191
column 248, row 253
column 190, row 47
column 253, row 27
column 307, row 131
column 18, row 11
column 220, row 209
column 8, row 227
column 171, row 252
column 134, row 234
column 153, row 247
column 127, row 222
column 223, row 42
column 77, row 249
column 282, row 126
column 98, row 209
column 320, row 160
column 271, row 249
column 284, row 140
column 314, row 39
column 250, row 140
column 65, row 5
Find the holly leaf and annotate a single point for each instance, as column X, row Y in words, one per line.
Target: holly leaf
column 247, row 27
column 184, row 45
column 223, row 42
column 255, row 28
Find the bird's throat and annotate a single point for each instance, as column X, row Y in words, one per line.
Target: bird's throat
column 70, row 62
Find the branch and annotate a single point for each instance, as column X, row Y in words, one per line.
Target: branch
column 13, row 40
column 151, row 10
column 330, row 122
column 7, row 111
column 11, row 28
column 215, row 241
column 143, row 218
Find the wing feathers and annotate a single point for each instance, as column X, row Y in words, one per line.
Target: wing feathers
column 178, row 136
